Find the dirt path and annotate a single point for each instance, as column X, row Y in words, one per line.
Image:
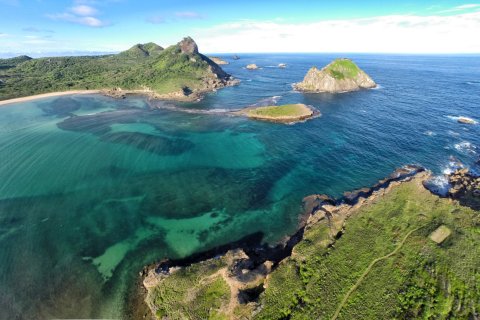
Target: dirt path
column 367, row 271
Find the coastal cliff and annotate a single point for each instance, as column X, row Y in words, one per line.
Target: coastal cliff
column 341, row 75
column 179, row 72
column 357, row 256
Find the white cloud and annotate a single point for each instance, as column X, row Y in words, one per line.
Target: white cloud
column 389, row 34
column 467, row 6
column 188, row 15
column 3, row 35
column 84, row 10
column 80, row 14
column 86, row 21
column 463, row 7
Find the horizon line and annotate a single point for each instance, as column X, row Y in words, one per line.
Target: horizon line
column 74, row 53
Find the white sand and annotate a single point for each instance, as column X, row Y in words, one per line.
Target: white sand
column 47, row 95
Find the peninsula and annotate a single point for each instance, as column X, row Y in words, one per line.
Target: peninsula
column 178, row 72
column 341, row 75
column 393, row 251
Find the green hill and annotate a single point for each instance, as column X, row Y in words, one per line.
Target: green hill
column 13, row 62
column 179, row 70
column 142, row 50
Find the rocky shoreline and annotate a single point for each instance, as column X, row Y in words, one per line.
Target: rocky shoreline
column 185, row 95
column 249, row 255
column 463, row 186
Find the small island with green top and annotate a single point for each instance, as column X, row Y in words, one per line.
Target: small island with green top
column 287, row 113
column 341, row 75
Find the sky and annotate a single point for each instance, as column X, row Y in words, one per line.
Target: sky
column 43, row 27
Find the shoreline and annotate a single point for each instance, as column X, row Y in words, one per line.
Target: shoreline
column 118, row 93
column 47, row 95
column 260, row 256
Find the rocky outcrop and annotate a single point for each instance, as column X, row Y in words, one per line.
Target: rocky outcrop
column 252, row 66
column 282, row 65
column 218, row 60
column 188, row 46
column 341, row 75
column 466, row 120
column 213, row 77
column 465, row 187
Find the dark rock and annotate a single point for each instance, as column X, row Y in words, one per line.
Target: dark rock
column 313, row 202
column 188, row 46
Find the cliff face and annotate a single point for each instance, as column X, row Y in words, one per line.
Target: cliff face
column 341, row 75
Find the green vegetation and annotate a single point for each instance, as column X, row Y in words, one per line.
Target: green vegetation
column 384, row 266
column 13, row 62
column 195, row 292
column 284, row 112
column 421, row 280
column 343, row 69
column 179, row 68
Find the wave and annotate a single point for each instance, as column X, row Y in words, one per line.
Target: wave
column 271, row 101
column 473, row 83
column 378, row 87
column 429, row 133
column 171, row 107
column 452, row 165
column 438, row 185
column 465, row 147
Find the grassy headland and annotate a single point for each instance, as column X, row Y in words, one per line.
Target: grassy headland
column 371, row 260
column 179, row 71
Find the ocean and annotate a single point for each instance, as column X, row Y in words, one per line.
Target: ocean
column 93, row 188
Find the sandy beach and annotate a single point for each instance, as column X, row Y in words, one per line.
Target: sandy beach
column 47, row 95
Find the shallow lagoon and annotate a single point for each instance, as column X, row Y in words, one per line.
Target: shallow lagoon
column 94, row 188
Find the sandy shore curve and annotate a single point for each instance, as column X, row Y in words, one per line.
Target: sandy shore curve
column 47, row 95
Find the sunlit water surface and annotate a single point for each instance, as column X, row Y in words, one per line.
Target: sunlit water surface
column 94, row 188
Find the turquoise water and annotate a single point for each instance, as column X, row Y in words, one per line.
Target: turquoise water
column 94, row 188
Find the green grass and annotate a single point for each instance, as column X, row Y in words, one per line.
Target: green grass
column 288, row 110
column 343, row 69
column 384, row 266
column 163, row 71
column 422, row 280
column 190, row 294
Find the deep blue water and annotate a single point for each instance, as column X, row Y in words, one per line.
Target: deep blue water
column 94, row 188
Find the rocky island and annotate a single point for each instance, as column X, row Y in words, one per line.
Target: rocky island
column 178, row 72
column 252, row 66
column 341, row 75
column 284, row 113
column 218, row 60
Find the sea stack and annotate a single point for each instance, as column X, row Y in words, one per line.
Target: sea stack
column 341, row 75
column 252, row 66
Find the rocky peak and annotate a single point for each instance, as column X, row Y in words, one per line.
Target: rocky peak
column 188, row 46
